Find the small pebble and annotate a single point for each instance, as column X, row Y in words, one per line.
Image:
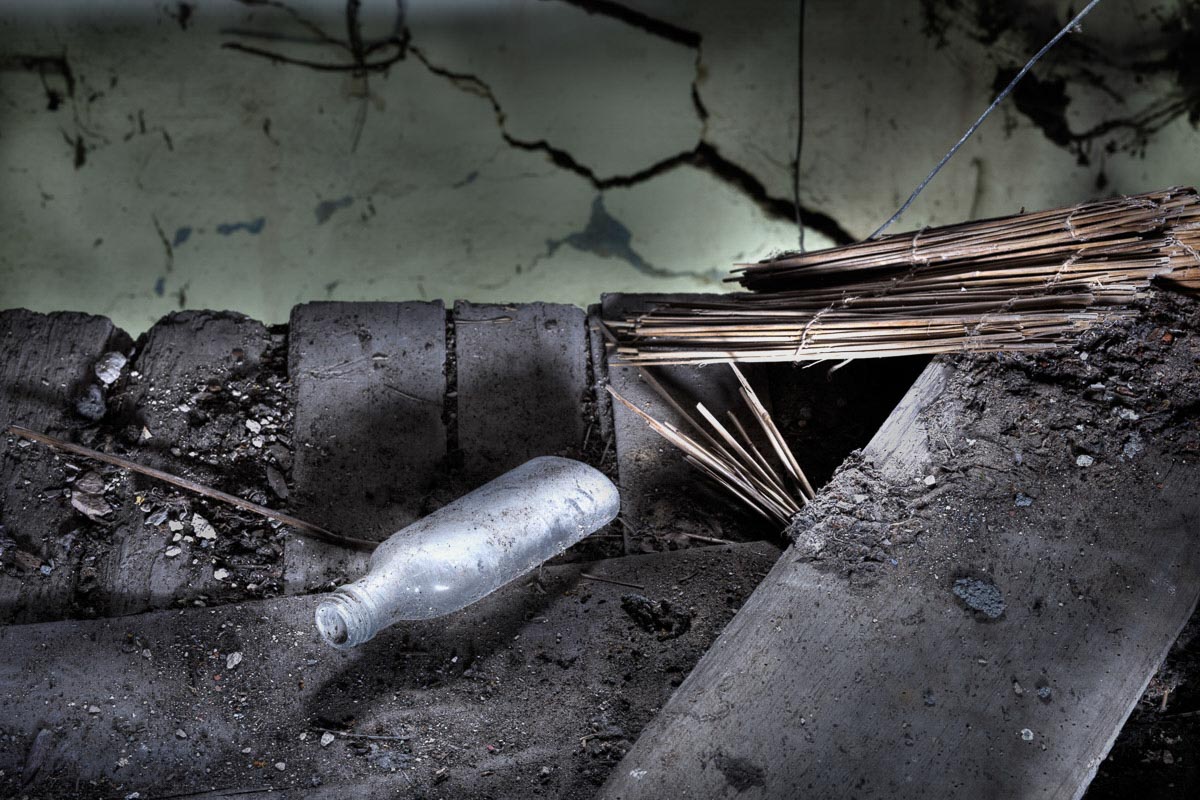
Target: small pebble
column 90, row 506
column 89, row 483
column 220, row 574
column 108, row 367
column 1026, row 735
column 180, row 734
column 277, row 483
column 326, row 739
column 1084, row 461
column 175, row 525
column 253, row 426
column 246, row 751
column 233, row 659
column 1044, row 693
column 930, row 480
column 281, row 765
column 91, row 405
column 93, row 709
column 203, row 528
column 171, row 552
column 1023, row 500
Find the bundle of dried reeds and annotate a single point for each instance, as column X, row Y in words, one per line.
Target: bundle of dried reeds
column 1025, row 282
column 730, row 457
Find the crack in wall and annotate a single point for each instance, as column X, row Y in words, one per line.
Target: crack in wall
column 639, row 20
column 703, row 156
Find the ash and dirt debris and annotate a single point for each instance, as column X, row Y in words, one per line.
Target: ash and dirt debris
column 660, row 617
column 1133, row 381
column 855, row 525
column 227, row 426
column 466, row 713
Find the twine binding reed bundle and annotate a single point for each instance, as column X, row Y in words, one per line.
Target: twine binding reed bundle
column 1025, row 282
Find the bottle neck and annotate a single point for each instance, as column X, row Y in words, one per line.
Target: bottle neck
column 347, row 617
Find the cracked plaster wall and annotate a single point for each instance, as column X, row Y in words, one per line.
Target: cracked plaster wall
column 536, row 149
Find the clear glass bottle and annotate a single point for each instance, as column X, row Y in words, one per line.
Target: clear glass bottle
column 467, row 549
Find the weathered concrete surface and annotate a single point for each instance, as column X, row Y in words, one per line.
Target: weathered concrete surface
column 46, row 367
column 522, row 381
column 369, row 381
column 540, row 686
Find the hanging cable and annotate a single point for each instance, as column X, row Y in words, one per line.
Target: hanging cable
column 999, row 98
column 799, row 125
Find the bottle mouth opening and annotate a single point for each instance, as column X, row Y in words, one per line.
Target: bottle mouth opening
column 332, row 625
column 343, row 620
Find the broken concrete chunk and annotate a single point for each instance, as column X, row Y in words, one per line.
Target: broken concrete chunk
column 981, row 596
column 90, row 506
column 89, row 483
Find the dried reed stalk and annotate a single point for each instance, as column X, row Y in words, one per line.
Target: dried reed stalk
column 728, row 455
column 1020, row 283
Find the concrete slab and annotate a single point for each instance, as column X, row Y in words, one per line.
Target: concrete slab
column 974, row 606
column 46, row 367
column 522, row 378
column 181, row 425
column 370, row 381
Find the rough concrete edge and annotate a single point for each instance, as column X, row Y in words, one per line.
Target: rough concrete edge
column 598, row 370
column 893, row 453
column 1093, row 768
